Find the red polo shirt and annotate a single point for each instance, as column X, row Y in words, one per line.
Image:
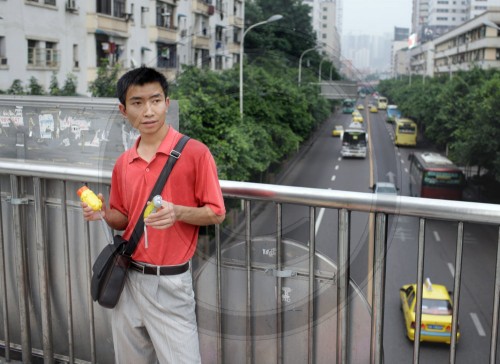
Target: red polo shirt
column 193, row 182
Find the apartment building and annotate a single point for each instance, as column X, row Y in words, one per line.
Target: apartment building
column 42, row 38
column 474, row 43
column 326, row 18
column 476, row 7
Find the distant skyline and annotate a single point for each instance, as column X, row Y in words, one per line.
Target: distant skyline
column 375, row 17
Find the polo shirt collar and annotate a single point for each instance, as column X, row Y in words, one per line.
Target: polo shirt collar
column 165, row 147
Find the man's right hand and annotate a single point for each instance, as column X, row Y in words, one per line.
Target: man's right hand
column 89, row 214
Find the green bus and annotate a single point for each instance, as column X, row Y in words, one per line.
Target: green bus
column 348, row 106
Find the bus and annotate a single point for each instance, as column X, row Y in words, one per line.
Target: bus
column 382, row 103
column 348, row 106
column 405, row 133
column 435, row 176
column 393, row 113
column 354, row 141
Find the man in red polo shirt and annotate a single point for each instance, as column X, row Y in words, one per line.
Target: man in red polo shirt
column 155, row 316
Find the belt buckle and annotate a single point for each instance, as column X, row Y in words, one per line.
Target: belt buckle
column 158, row 271
column 141, row 267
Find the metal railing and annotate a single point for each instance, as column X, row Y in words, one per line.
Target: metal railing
column 47, row 250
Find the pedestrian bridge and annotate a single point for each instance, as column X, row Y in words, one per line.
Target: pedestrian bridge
column 339, row 90
column 260, row 299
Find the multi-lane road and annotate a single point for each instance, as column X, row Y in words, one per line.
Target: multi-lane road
column 321, row 166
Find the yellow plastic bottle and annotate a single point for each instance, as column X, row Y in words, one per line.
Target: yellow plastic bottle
column 90, row 198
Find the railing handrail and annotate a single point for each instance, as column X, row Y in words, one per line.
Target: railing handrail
column 355, row 201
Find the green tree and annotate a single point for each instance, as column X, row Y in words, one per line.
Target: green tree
column 105, row 83
column 70, row 85
column 16, row 88
column 34, row 88
column 54, row 85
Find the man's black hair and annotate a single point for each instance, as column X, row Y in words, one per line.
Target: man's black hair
column 139, row 76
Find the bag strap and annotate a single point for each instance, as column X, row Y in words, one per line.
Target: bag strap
column 160, row 183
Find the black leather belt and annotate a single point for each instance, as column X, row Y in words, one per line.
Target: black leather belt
column 159, row 270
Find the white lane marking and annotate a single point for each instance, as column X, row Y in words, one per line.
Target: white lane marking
column 399, row 154
column 336, row 167
column 477, row 323
column 318, row 220
column 333, row 177
column 339, row 159
column 406, row 170
column 402, row 161
column 436, row 236
column 452, row 269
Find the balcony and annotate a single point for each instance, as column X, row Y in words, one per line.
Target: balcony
column 236, row 21
column 201, row 42
column 108, row 23
column 201, row 6
column 165, row 35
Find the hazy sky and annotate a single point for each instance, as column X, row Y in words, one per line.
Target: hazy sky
column 375, row 16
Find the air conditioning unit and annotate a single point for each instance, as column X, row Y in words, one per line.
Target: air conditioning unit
column 71, row 5
column 211, row 10
column 183, row 32
column 3, row 61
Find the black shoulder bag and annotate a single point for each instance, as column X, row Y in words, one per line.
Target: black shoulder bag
column 110, row 268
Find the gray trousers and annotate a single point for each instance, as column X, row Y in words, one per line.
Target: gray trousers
column 155, row 321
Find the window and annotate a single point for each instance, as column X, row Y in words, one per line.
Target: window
column 218, row 62
column 42, row 54
column 51, row 54
column 165, row 15
column 76, row 63
column 3, row 53
column 46, row 2
column 115, row 8
column 167, row 55
column 109, row 48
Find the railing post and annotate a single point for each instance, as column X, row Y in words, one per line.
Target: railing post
column 310, row 309
column 22, row 271
column 343, row 272
column 279, row 286
column 248, row 258
column 496, row 307
column 420, row 284
column 41, row 245
column 67, row 273
column 3, row 288
column 456, row 291
column 379, row 268
column 218, row 250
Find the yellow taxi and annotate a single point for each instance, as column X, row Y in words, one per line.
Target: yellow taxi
column 357, row 117
column 361, row 107
column 337, row 130
column 436, row 312
column 373, row 108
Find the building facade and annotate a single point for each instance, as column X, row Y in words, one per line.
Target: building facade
column 326, row 16
column 474, row 43
column 47, row 38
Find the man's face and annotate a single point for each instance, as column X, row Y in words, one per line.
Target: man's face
column 145, row 107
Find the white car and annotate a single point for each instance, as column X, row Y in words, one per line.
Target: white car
column 386, row 188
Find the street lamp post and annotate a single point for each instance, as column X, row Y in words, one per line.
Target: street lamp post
column 331, row 69
column 319, row 72
column 270, row 20
column 300, row 60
